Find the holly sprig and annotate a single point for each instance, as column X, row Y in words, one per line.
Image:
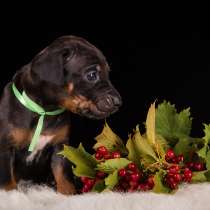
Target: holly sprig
column 160, row 159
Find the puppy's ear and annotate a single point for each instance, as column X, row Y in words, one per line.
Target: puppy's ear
column 48, row 65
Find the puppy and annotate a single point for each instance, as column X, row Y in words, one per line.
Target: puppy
column 71, row 74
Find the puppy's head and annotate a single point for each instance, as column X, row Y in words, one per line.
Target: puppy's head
column 76, row 75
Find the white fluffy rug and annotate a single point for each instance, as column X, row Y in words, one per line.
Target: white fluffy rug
column 190, row 197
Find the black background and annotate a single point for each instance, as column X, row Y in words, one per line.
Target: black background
column 147, row 64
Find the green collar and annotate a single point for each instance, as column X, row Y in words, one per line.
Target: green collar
column 34, row 107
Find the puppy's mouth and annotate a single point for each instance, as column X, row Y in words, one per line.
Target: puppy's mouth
column 103, row 107
column 97, row 109
column 95, row 113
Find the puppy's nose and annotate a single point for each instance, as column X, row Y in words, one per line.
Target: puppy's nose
column 112, row 101
column 116, row 100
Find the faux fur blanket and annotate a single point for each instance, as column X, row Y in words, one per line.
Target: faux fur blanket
column 189, row 197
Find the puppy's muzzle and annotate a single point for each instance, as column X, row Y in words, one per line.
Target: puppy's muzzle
column 109, row 103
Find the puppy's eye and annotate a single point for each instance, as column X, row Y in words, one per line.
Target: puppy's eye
column 92, row 76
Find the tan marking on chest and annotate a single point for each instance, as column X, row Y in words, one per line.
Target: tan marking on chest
column 42, row 142
column 22, row 137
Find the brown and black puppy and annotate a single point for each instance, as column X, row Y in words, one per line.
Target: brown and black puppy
column 70, row 73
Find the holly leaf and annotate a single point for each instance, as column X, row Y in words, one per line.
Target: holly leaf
column 199, row 177
column 207, row 133
column 83, row 161
column 159, row 186
column 184, row 146
column 99, row 186
column 208, row 160
column 110, row 140
column 150, row 125
column 207, row 174
column 202, row 152
column 132, row 152
column 162, row 145
column 111, row 180
column 172, row 125
column 109, row 166
column 143, row 149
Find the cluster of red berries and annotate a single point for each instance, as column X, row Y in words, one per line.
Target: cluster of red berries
column 179, row 173
column 175, row 175
column 195, row 166
column 132, row 179
column 103, row 153
column 171, row 157
column 88, row 183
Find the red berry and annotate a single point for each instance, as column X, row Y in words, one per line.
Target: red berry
column 107, row 156
column 102, row 150
column 187, row 175
column 116, row 154
column 150, row 182
column 90, row 183
column 132, row 166
column 98, row 156
column 198, row 166
column 143, row 187
column 171, row 182
column 170, row 154
column 177, row 177
column 84, row 179
column 174, row 169
column 122, row 172
column 133, row 184
column 174, row 160
column 135, row 176
column 190, row 165
column 100, row 174
column 124, row 184
column 173, row 185
column 180, row 158
column 127, row 177
column 85, row 189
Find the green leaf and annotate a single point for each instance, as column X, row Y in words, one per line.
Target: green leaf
column 110, row 140
column 143, row 148
column 83, row 161
column 132, row 152
column 99, row 186
column 162, row 145
column 109, row 166
column 199, row 176
column 112, row 180
column 172, row 125
column 208, row 160
column 207, row 133
column 184, row 146
column 159, row 186
column 207, row 174
column 150, row 125
column 202, row 152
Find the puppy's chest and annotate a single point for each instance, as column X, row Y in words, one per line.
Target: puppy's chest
column 43, row 141
column 47, row 138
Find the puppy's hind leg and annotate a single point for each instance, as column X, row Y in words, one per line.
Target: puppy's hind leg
column 7, row 177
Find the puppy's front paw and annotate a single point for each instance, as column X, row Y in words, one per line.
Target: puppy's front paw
column 66, row 188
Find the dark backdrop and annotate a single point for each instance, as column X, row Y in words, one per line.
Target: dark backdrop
column 146, row 65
